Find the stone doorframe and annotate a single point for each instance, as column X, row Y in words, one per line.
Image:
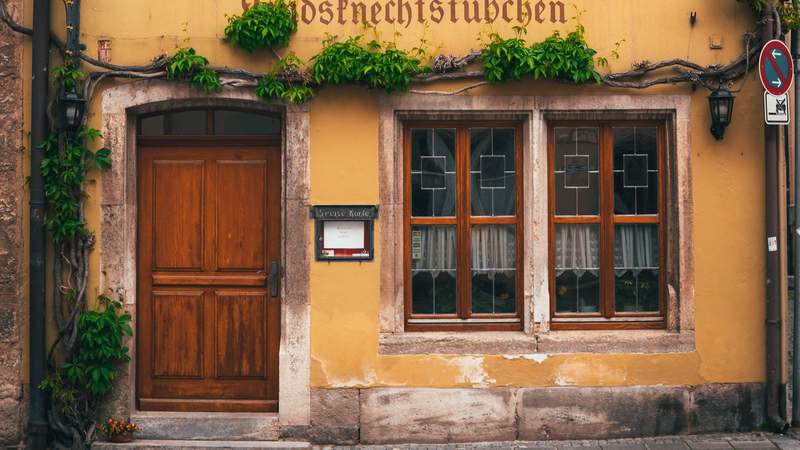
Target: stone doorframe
column 120, row 108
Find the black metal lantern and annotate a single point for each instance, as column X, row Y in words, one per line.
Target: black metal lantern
column 721, row 103
column 72, row 107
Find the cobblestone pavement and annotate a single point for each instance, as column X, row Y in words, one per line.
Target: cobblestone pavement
column 744, row 441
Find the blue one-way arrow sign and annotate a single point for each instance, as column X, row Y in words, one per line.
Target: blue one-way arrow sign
column 776, row 67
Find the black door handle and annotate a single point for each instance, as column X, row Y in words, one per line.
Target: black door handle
column 274, row 276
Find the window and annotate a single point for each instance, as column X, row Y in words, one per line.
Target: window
column 463, row 227
column 607, row 225
column 198, row 122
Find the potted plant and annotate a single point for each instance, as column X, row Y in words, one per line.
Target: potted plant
column 118, row 430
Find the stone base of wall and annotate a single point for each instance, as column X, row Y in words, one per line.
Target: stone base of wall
column 416, row 415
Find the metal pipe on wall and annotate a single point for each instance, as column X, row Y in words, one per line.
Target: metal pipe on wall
column 37, row 421
column 774, row 417
column 796, row 235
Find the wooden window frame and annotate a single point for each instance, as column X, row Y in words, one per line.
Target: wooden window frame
column 464, row 320
column 607, row 318
column 209, row 138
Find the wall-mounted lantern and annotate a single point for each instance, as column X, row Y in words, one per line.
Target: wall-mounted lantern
column 721, row 103
column 71, row 107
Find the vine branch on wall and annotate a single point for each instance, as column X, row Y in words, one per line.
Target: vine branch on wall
column 443, row 68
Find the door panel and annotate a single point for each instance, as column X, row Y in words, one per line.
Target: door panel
column 178, row 214
column 241, row 193
column 170, row 309
column 209, row 227
column 242, row 341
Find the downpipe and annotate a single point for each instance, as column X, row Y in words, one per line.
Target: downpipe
column 775, row 419
column 796, row 235
column 37, row 418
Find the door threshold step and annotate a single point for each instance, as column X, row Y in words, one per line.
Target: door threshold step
column 245, row 427
column 147, row 444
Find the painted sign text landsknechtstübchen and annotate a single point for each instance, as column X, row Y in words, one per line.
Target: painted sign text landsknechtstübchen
column 405, row 12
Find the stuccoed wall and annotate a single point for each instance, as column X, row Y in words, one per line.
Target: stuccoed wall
column 344, row 298
column 727, row 189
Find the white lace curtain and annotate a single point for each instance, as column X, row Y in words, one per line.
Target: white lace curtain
column 635, row 247
column 437, row 250
column 578, row 248
column 493, row 247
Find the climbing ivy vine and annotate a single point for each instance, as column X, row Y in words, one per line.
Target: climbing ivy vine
column 264, row 25
column 82, row 362
column 186, row 64
column 375, row 64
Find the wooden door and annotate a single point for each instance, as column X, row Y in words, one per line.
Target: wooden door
column 208, row 305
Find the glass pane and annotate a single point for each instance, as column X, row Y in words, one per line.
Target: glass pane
column 245, row 123
column 577, row 268
column 176, row 123
column 433, row 172
column 636, row 268
column 494, row 269
column 635, row 171
column 577, row 176
column 433, row 269
column 492, row 171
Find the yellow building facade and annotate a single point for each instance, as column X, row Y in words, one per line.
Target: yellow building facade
column 495, row 314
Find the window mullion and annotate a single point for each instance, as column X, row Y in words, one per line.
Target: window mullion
column 607, row 222
column 463, row 211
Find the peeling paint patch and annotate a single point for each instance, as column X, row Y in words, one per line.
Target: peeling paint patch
column 536, row 357
column 562, row 381
column 369, row 378
column 472, row 371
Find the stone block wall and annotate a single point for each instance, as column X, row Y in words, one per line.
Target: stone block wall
column 12, row 202
column 417, row 415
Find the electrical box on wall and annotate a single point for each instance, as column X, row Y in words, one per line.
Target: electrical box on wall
column 344, row 232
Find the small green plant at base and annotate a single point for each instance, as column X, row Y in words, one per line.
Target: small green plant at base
column 187, row 64
column 265, row 25
column 90, row 371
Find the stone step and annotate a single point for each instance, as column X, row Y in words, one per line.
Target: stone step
column 157, row 444
column 157, row 425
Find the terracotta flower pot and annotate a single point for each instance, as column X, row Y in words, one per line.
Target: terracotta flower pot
column 124, row 437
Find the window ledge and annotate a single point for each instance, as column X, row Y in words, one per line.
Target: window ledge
column 617, row 341
column 518, row 343
column 457, row 343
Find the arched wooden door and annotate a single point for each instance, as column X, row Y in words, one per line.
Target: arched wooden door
column 209, row 246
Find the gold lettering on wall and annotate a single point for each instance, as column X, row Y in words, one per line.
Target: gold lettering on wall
column 406, row 12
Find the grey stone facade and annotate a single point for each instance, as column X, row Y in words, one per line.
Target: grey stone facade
column 403, row 415
column 12, row 202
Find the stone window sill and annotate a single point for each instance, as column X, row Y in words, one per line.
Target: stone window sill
column 518, row 343
column 617, row 341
